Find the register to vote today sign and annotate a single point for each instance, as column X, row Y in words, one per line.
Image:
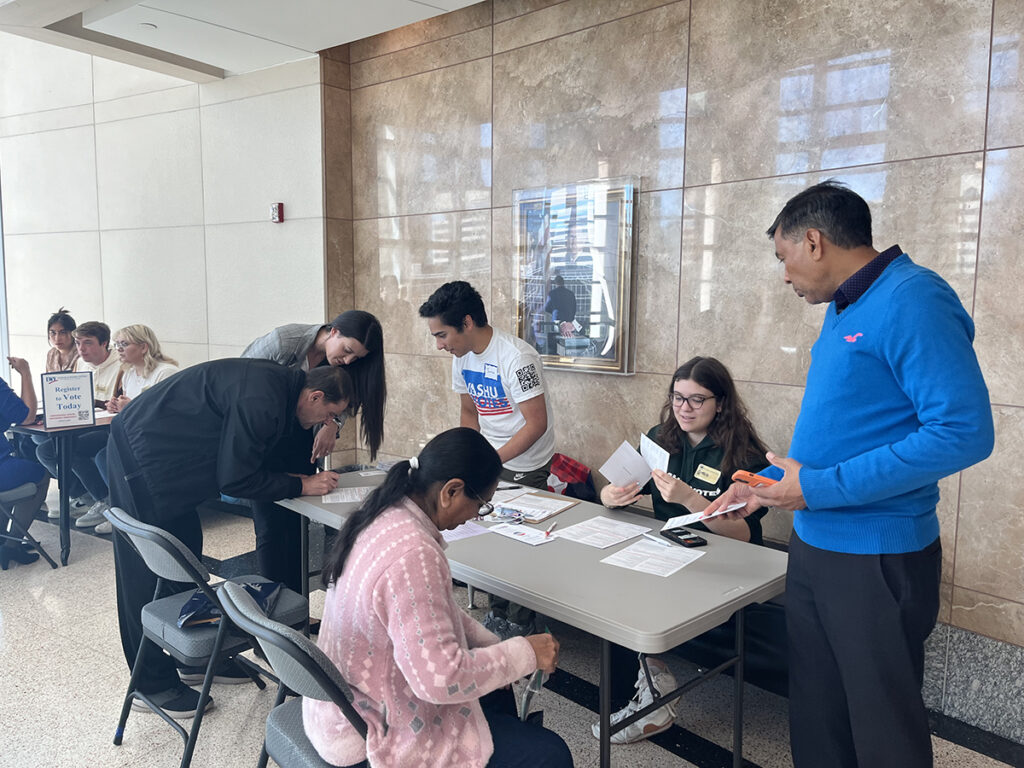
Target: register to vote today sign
column 67, row 399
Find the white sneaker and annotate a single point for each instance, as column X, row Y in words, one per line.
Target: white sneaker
column 93, row 517
column 657, row 721
column 51, row 514
column 104, row 528
column 85, row 500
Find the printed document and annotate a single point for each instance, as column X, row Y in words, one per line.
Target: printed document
column 647, row 557
column 626, row 466
column 523, row 533
column 601, row 532
column 465, row 531
column 346, row 495
column 535, row 508
column 654, row 454
column 681, row 520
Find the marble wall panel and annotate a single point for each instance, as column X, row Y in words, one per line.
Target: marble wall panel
column 260, row 276
column 337, row 106
column 930, row 207
column 536, row 21
column 990, row 533
column 262, row 150
column 991, row 616
column 423, row 58
column 423, row 143
column 947, row 512
column 985, row 683
column 998, row 321
column 501, row 311
column 335, row 73
column 149, row 171
column 114, row 80
column 507, row 9
column 400, row 261
column 155, row 277
column 30, row 261
column 659, row 228
column 594, row 413
column 842, row 85
column 340, row 278
column 421, row 402
column 586, row 106
column 435, row 28
column 946, row 602
column 39, row 77
column 1006, row 80
column 49, row 181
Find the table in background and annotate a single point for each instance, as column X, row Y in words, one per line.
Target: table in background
column 64, row 440
column 649, row 614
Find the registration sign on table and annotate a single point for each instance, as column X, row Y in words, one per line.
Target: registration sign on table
column 67, row 399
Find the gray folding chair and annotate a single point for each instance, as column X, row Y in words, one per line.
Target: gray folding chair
column 26, row 493
column 301, row 667
column 197, row 646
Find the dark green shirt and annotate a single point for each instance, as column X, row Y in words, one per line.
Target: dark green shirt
column 685, row 466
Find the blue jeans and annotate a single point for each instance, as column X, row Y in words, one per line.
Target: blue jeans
column 82, row 463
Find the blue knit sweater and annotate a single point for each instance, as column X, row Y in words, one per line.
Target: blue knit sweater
column 894, row 402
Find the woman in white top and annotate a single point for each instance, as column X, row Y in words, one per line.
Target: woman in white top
column 142, row 364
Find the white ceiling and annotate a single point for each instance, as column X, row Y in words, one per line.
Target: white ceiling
column 212, row 38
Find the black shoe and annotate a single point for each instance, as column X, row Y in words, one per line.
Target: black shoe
column 228, row 673
column 180, row 702
column 17, row 554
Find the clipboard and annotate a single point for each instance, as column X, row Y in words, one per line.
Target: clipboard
column 536, row 508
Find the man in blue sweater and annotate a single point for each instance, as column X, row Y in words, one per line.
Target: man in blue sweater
column 894, row 402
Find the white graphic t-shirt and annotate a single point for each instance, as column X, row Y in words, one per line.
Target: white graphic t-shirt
column 508, row 372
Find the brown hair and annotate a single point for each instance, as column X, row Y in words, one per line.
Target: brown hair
column 730, row 429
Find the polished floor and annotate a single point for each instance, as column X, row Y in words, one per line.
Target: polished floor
column 63, row 678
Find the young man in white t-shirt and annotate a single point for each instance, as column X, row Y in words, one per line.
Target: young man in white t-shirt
column 500, row 381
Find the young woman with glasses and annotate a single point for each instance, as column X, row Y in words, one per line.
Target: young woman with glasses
column 430, row 681
column 708, row 435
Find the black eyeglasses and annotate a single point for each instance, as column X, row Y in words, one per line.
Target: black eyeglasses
column 695, row 401
column 485, row 506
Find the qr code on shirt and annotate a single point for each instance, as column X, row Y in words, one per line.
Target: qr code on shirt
column 528, row 377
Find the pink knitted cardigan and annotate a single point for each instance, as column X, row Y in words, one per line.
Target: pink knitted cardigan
column 416, row 662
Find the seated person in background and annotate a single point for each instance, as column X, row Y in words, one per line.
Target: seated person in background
column 500, row 382
column 92, row 340
column 142, row 366
column 705, row 428
column 431, row 682
column 15, row 471
column 61, row 356
column 561, row 305
column 354, row 342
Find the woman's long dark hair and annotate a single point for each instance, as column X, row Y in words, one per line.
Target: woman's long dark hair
column 730, row 429
column 371, row 391
column 458, row 453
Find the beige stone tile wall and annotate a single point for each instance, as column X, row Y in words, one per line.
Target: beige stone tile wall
column 724, row 109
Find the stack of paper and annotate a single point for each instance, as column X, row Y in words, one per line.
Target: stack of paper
column 649, row 557
column 626, row 466
column 600, row 532
column 346, row 495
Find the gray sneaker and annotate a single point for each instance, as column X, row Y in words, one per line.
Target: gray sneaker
column 104, row 528
column 94, row 516
column 657, row 721
column 505, row 629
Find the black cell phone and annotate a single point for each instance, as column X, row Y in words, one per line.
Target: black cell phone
column 684, row 537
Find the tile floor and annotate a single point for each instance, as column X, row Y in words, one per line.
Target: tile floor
column 63, row 678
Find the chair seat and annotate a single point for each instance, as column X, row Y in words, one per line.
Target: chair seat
column 286, row 738
column 17, row 493
column 192, row 645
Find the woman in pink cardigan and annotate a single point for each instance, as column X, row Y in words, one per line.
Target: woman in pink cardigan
column 430, row 681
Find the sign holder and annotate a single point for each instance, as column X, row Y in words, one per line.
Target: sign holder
column 67, row 399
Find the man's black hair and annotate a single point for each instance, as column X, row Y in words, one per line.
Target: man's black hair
column 831, row 207
column 452, row 302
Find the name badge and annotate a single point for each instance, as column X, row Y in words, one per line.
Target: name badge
column 707, row 474
column 491, row 371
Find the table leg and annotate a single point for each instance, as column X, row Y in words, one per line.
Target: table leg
column 304, row 559
column 62, row 442
column 605, row 696
column 737, row 701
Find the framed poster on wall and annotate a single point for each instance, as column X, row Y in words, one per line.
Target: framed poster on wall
column 575, row 253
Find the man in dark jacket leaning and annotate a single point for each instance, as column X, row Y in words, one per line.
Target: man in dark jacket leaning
column 210, row 428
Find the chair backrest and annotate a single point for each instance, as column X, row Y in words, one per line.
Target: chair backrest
column 296, row 659
column 163, row 554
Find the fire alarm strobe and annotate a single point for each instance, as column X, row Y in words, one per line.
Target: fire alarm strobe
column 277, row 212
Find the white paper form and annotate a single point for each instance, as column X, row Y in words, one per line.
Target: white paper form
column 465, row 531
column 696, row 517
column 626, row 466
column 523, row 533
column 346, row 495
column 600, row 532
column 654, row 454
column 648, row 557
column 535, row 507
column 505, row 495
